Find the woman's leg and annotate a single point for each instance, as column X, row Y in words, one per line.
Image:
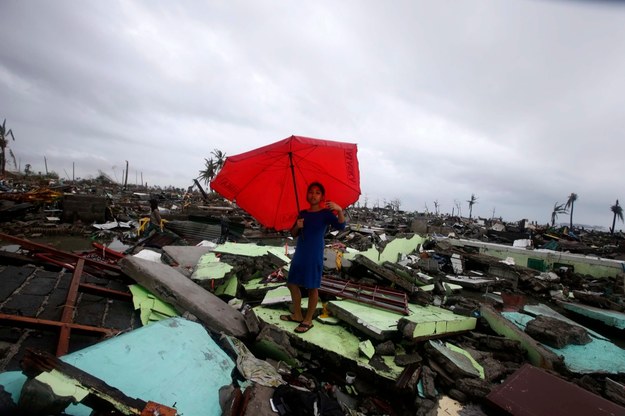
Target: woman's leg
column 313, row 298
column 296, row 299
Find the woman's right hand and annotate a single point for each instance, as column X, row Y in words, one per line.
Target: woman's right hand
column 300, row 223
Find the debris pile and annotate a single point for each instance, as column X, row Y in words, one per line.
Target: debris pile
column 418, row 315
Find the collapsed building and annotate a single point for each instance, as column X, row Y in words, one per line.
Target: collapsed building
column 417, row 316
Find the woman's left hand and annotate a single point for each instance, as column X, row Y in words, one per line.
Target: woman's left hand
column 331, row 205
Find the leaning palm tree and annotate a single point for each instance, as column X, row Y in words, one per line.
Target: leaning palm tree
column 618, row 212
column 472, row 202
column 209, row 171
column 570, row 203
column 557, row 209
column 4, row 136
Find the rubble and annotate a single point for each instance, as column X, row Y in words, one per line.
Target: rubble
column 417, row 313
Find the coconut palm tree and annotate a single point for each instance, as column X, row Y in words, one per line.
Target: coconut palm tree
column 220, row 159
column 570, row 203
column 212, row 166
column 472, row 202
column 557, row 209
column 618, row 212
column 4, row 136
column 209, row 171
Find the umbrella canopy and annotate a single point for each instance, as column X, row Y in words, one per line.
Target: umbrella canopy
column 270, row 182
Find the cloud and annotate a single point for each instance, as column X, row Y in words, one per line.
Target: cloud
column 518, row 102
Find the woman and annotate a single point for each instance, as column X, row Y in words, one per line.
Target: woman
column 307, row 264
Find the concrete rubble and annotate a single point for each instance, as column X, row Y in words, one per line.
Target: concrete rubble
column 419, row 314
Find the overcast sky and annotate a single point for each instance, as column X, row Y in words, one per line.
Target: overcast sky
column 517, row 102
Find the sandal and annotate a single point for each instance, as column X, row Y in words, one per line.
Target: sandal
column 288, row 318
column 303, row 327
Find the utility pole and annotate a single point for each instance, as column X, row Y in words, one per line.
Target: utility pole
column 126, row 177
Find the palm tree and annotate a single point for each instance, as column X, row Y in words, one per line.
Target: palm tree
column 618, row 212
column 557, row 209
column 472, row 202
column 4, row 135
column 209, row 171
column 220, row 159
column 570, row 204
column 212, row 166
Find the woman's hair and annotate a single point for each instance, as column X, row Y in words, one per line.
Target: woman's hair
column 153, row 203
column 318, row 185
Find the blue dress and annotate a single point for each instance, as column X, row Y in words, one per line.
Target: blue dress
column 307, row 263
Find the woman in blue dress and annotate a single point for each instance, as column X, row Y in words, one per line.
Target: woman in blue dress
column 307, row 263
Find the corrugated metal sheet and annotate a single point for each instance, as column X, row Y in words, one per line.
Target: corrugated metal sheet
column 195, row 231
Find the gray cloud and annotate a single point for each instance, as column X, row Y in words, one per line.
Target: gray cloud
column 517, row 102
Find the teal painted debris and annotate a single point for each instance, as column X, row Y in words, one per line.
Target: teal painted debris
column 598, row 356
column 606, row 316
column 173, row 362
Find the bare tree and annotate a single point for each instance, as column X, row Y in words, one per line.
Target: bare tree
column 395, row 204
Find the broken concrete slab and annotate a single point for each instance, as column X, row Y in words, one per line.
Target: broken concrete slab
column 278, row 295
column 471, row 282
column 184, row 257
column 598, row 356
column 376, row 323
column 391, row 252
column 425, row 322
column 556, row 333
column 176, row 289
column 259, row 287
column 542, row 309
column 454, row 359
column 209, row 267
column 606, row 316
column 332, row 339
column 251, row 250
column 538, row 354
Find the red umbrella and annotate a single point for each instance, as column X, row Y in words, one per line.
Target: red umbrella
column 270, row 182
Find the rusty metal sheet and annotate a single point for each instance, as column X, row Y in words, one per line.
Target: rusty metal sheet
column 531, row 391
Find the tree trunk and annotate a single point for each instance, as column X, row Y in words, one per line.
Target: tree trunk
column 613, row 224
